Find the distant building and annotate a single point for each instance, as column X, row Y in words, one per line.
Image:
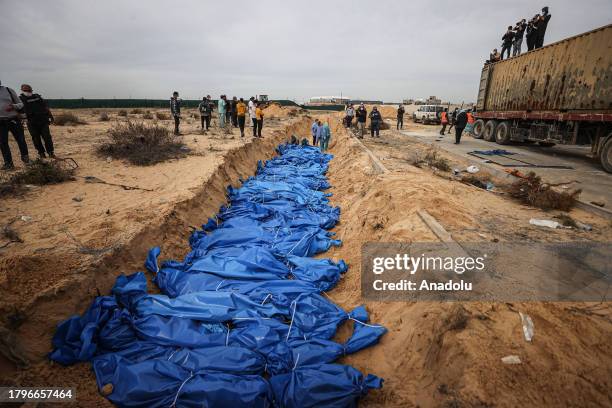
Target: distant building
column 331, row 100
column 408, row 101
column 365, row 102
column 433, row 100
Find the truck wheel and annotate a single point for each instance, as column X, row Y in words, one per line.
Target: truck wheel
column 502, row 133
column 478, row 129
column 489, row 131
column 605, row 156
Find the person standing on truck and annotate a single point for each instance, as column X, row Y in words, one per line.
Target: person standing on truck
column 493, row 56
column 400, row 116
column 10, row 105
column 175, row 110
column 444, row 120
column 460, row 123
column 532, row 32
column 241, row 109
column 362, row 115
column 542, row 24
column 519, row 30
column 507, row 40
column 375, row 122
column 39, row 117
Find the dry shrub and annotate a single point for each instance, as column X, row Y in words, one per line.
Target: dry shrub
column 68, row 119
column 136, row 111
column 147, row 115
column 122, row 112
column 162, row 116
column 38, row 173
column 104, row 117
column 532, row 191
column 433, row 159
column 142, row 144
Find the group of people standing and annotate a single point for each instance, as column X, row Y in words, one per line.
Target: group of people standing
column 512, row 39
column 321, row 134
column 230, row 113
column 361, row 114
column 13, row 109
column 461, row 119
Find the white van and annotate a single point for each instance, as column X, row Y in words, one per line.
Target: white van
column 428, row 114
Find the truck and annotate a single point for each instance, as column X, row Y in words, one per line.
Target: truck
column 558, row 94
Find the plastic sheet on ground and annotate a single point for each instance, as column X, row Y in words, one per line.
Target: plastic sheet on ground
column 243, row 320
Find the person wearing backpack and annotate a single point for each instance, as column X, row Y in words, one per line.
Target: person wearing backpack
column 39, row 117
column 10, row 105
column 205, row 108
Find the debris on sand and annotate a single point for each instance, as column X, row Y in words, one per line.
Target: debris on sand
column 532, row 191
column 141, row 144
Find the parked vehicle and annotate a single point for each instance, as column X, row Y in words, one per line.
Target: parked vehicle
column 561, row 93
column 428, row 114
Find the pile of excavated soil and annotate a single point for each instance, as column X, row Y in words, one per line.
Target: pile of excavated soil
column 449, row 354
column 387, row 111
column 276, row 111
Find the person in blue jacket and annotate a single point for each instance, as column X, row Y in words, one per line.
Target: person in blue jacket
column 314, row 130
column 324, row 136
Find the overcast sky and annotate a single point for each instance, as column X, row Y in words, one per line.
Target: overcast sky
column 386, row 50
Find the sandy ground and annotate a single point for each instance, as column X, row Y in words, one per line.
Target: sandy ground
column 435, row 354
column 449, row 354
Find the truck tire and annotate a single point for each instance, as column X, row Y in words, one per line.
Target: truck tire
column 478, row 129
column 489, row 131
column 502, row 133
column 605, row 156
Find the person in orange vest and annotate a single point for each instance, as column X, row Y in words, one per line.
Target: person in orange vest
column 444, row 120
column 469, row 127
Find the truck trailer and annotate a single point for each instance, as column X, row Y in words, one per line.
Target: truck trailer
column 557, row 94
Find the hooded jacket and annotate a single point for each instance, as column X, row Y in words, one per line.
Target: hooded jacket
column 8, row 98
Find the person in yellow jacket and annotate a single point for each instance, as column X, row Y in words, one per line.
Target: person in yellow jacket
column 241, row 109
column 259, row 115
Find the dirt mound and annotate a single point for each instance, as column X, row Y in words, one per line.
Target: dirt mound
column 275, row 110
column 387, row 111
